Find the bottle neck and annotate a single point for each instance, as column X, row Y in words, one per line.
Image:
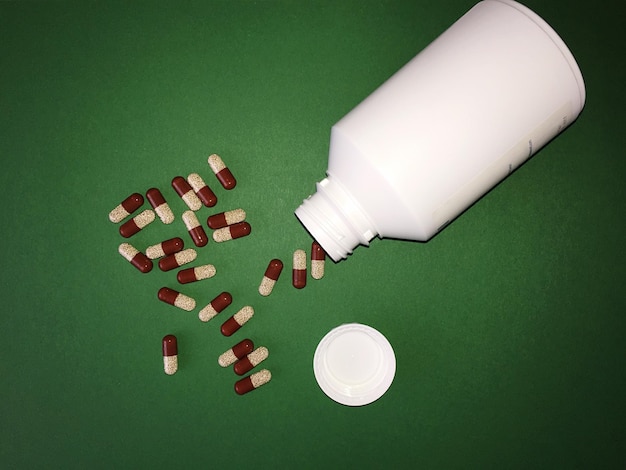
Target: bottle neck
column 335, row 219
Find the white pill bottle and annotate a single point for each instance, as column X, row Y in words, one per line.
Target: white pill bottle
column 442, row 131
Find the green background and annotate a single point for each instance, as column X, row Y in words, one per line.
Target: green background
column 508, row 327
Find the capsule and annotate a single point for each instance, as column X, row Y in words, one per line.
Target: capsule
column 230, row 326
column 253, row 381
column 252, row 360
column 235, row 353
column 160, row 205
column 216, row 305
column 242, row 229
column 182, row 188
column 224, row 219
column 170, row 354
column 204, row 193
column 299, row 269
column 176, row 260
column 318, row 259
column 196, row 231
column 135, row 257
column 224, row 176
column 198, row 273
column 167, row 247
column 126, row 207
column 272, row 273
column 175, row 298
column 137, row 223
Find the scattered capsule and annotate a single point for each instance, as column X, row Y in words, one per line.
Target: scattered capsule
column 135, row 257
column 318, row 259
column 224, row 176
column 160, row 205
column 167, row 247
column 126, row 207
column 253, row 381
column 274, row 268
column 216, row 305
column 252, row 360
column 182, row 188
column 196, row 231
column 176, row 260
column 198, row 273
column 242, row 229
column 224, row 219
column 175, row 298
column 170, row 354
column 299, row 269
column 204, row 193
column 137, row 223
column 235, row 322
column 235, row 353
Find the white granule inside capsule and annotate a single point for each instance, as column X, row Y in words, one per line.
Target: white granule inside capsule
column 216, row 163
column 185, row 256
column 192, row 200
column 170, row 364
column 118, row 214
column 243, row 315
column 227, row 358
column 204, row 272
column 317, row 268
column 196, row 181
column 155, row 251
column 299, row 259
column 258, row 355
column 145, row 218
column 207, row 313
column 190, row 219
column 222, row 235
column 128, row 251
column 260, row 378
column 235, row 216
column 267, row 286
column 165, row 213
column 185, row 302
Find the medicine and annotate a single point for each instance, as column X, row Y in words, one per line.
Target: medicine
column 136, row 224
column 226, row 218
column 160, row 205
column 175, row 298
column 196, row 274
column 216, row 305
column 235, row 353
column 177, row 260
column 126, row 207
column 204, row 193
column 224, row 176
column 196, row 231
column 235, row 322
column 299, row 269
column 318, row 259
column 253, row 381
column 170, row 354
column 252, row 360
column 182, row 188
column 135, row 257
column 242, row 229
column 272, row 273
column 167, row 247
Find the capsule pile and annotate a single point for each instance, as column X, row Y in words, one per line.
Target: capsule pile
column 171, row 254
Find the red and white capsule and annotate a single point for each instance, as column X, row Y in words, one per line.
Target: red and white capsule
column 177, row 299
column 223, row 174
column 126, row 207
column 176, row 260
column 272, row 273
column 216, row 305
column 160, row 205
column 185, row 276
column 298, row 278
column 230, row 326
column 231, row 232
column 226, row 218
column 253, row 381
column 169, row 345
column 196, row 231
column 186, row 193
column 135, row 257
column 137, row 223
column 204, row 193
column 235, row 353
column 246, row 364
column 318, row 260
column 167, row 247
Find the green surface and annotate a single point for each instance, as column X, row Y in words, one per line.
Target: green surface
column 508, row 327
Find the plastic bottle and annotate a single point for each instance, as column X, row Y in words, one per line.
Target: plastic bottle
column 457, row 119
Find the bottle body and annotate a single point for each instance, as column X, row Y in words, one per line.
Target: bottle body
column 447, row 127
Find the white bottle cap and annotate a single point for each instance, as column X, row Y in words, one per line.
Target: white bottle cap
column 354, row 364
